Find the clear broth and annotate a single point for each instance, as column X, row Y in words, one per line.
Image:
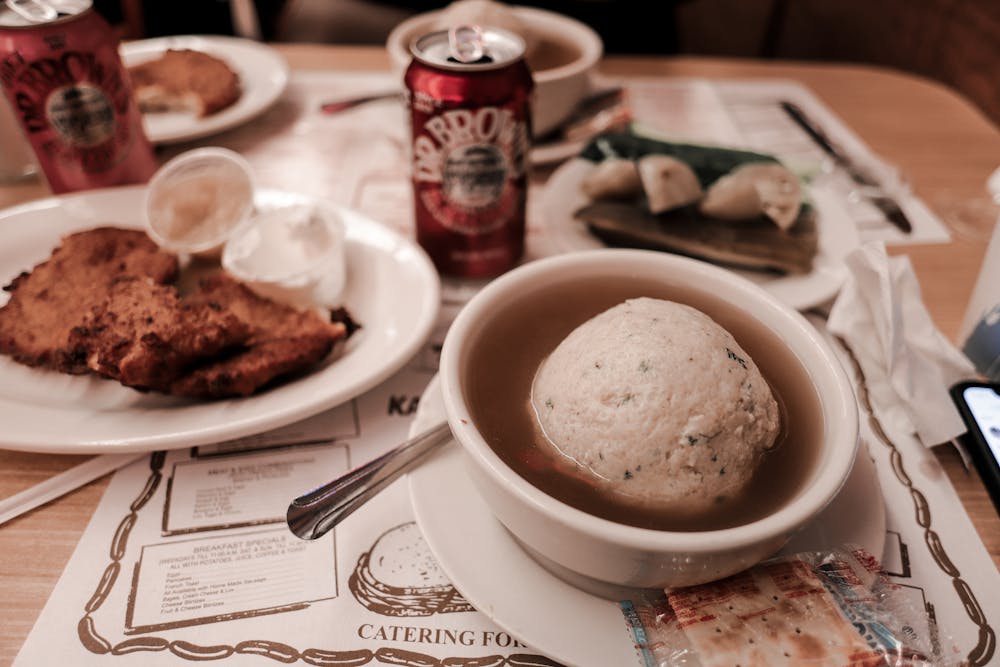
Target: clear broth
column 515, row 340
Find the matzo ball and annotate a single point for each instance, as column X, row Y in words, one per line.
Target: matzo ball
column 657, row 403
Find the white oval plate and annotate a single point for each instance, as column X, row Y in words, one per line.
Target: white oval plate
column 392, row 290
column 576, row 628
column 263, row 77
column 837, row 237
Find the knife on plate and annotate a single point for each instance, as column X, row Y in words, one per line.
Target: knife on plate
column 872, row 188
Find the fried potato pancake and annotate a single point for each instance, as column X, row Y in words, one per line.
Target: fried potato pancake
column 143, row 335
column 105, row 303
column 283, row 341
column 185, row 80
column 47, row 302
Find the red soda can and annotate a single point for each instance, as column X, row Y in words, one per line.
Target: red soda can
column 73, row 98
column 469, row 91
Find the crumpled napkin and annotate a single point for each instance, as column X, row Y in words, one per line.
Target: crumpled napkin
column 908, row 363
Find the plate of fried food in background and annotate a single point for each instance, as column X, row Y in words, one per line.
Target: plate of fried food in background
column 739, row 209
column 191, row 86
column 93, row 314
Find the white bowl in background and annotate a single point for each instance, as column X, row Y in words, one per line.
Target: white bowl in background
column 558, row 90
column 599, row 554
column 293, row 254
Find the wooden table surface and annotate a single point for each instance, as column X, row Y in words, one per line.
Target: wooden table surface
column 944, row 146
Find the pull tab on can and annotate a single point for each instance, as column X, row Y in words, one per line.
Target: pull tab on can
column 466, row 44
column 33, row 11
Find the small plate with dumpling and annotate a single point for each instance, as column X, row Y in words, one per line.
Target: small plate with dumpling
column 739, row 209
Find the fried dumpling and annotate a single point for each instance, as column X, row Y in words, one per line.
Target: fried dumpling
column 752, row 190
column 668, row 183
column 613, row 178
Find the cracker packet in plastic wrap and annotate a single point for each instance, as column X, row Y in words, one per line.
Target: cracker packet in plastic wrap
column 815, row 609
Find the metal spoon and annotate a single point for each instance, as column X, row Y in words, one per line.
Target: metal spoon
column 313, row 514
column 336, row 106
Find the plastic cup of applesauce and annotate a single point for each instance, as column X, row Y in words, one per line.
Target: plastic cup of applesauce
column 196, row 200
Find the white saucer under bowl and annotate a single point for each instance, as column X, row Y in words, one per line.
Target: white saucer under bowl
column 564, row 622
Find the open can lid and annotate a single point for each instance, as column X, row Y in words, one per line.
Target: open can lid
column 29, row 13
column 494, row 48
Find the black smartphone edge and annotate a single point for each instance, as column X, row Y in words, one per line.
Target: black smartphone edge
column 974, row 440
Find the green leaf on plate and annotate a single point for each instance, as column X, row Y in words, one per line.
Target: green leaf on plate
column 708, row 162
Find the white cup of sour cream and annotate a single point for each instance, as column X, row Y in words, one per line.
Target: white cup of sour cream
column 293, row 254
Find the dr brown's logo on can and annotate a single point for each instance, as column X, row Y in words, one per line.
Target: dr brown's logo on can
column 471, row 132
column 73, row 98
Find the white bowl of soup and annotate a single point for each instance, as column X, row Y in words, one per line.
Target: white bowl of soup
column 562, row 54
column 578, row 529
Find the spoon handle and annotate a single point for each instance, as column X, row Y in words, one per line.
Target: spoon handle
column 313, row 514
column 336, row 106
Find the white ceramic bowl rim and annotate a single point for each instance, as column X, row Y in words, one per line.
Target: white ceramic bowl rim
column 583, row 36
column 839, row 407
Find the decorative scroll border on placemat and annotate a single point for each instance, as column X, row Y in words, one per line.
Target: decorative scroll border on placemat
column 95, row 643
column 985, row 648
